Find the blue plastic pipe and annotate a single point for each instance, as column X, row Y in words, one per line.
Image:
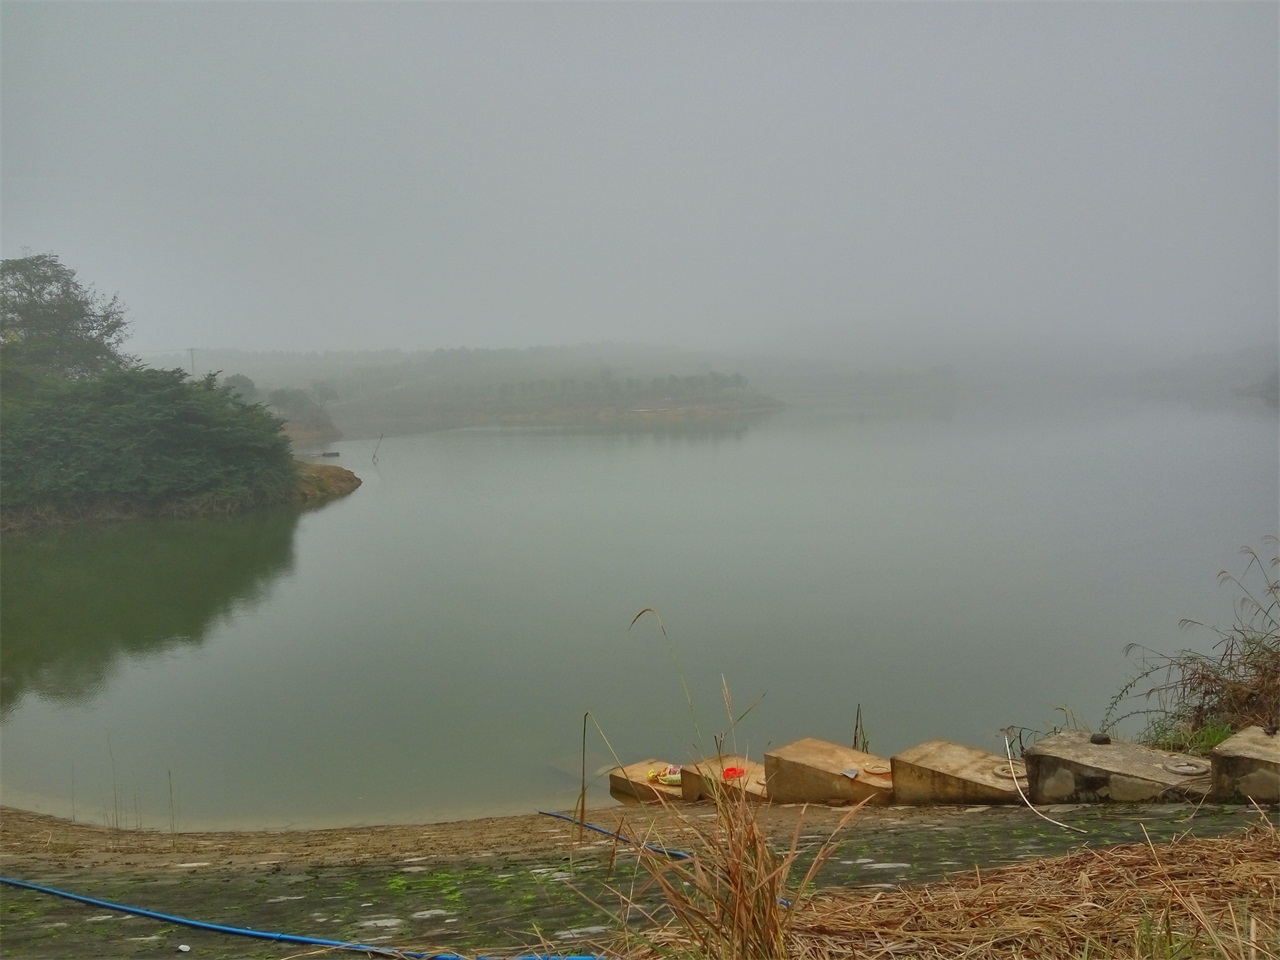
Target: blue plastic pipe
column 278, row 937
column 664, row 851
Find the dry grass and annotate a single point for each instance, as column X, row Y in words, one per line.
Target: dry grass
column 1194, row 898
column 732, row 898
column 1197, row 700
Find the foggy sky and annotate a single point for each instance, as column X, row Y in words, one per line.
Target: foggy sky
column 904, row 180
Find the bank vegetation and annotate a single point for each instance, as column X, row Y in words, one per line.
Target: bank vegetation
column 88, row 433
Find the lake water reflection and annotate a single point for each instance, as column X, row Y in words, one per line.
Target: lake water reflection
column 427, row 648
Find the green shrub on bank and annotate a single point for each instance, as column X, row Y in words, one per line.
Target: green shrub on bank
column 140, row 439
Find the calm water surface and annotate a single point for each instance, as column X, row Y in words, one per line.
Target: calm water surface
column 427, row 648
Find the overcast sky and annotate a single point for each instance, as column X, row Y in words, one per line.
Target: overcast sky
column 902, row 179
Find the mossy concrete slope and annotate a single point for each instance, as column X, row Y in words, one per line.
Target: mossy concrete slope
column 1246, row 767
column 728, row 775
column 938, row 771
column 815, row 771
column 1073, row 767
column 632, row 783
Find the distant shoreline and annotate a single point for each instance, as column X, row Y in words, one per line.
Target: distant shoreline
column 567, row 416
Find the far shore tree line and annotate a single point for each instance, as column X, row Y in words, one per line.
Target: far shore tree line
column 366, row 394
column 363, row 393
column 418, row 400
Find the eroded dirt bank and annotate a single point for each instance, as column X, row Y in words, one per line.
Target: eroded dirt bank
column 318, row 482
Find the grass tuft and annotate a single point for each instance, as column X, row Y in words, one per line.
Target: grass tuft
column 1196, row 700
column 1198, row 899
column 734, row 896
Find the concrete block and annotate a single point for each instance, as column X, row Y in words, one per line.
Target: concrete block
column 942, row 772
column 815, row 771
column 1069, row 768
column 1246, row 767
column 632, row 783
column 699, row 781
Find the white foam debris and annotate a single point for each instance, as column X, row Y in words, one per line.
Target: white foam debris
column 577, row 933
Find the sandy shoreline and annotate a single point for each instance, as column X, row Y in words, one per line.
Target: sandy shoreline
column 35, row 840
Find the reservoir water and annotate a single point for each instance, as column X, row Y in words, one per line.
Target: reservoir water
column 427, row 648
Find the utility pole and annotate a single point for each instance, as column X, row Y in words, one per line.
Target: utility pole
column 192, row 351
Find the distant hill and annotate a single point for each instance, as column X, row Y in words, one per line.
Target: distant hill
column 375, row 392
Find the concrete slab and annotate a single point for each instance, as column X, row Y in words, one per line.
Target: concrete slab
column 1246, row 766
column 632, row 783
column 939, row 771
column 1069, row 768
column 699, row 780
column 815, row 771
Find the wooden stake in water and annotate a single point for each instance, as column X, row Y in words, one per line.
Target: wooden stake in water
column 860, row 741
column 173, row 818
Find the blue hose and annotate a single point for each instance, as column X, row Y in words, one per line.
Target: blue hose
column 664, row 851
column 278, row 937
column 654, row 848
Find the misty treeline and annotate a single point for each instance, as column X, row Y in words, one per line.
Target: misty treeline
column 366, row 394
column 86, row 430
column 357, row 394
